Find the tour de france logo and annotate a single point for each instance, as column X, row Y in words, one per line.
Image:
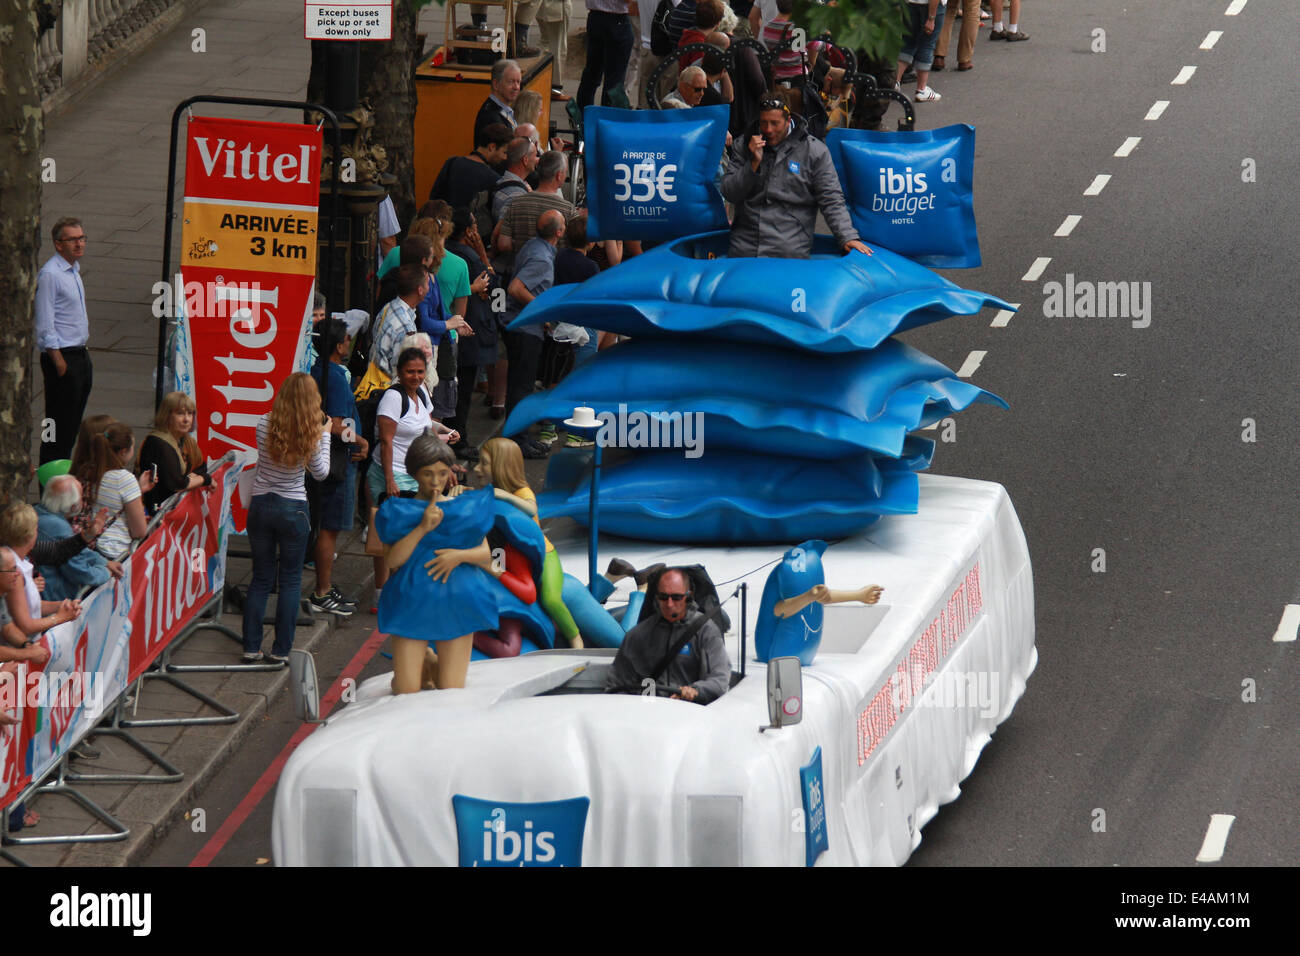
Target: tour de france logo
column 202, row 249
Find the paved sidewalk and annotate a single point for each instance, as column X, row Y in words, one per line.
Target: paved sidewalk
column 110, row 151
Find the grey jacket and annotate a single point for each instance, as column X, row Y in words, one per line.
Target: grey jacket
column 704, row 665
column 776, row 207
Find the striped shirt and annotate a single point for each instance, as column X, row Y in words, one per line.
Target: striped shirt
column 273, row 478
column 789, row 64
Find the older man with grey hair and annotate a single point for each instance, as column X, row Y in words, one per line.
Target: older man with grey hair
column 499, row 107
column 691, row 84
column 88, row 568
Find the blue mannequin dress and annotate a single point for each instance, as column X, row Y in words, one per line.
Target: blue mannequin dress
column 414, row 605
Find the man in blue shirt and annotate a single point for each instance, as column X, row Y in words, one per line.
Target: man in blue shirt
column 62, row 331
column 534, row 274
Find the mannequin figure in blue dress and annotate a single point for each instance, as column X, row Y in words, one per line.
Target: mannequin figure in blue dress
column 440, row 591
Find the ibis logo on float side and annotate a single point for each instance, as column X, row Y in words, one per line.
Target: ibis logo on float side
column 492, row 833
column 248, row 164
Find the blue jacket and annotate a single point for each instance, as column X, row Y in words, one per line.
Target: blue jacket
column 64, row 581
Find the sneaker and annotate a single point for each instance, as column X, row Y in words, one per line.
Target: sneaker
column 254, row 658
column 577, row 441
column 328, row 604
column 338, row 596
column 272, row 658
column 1017, row 36
column 927, row 95
column 909, row 75
column 546, row 435
column 534, row 450
column 84, row 751
column 997, row 34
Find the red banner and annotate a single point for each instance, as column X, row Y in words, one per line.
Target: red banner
column 123, row 627
column 248, row 262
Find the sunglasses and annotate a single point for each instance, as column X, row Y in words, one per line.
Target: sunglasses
column 663, row 596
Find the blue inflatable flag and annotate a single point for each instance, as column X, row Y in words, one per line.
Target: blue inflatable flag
column 911, row 192
column 651, row 173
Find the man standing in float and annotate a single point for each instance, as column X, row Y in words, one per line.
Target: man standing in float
column 62, row 333
column 778, row 178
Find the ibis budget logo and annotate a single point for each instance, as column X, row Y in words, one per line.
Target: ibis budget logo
column 492, row 833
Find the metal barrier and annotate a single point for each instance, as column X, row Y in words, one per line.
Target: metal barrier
column 118, row 723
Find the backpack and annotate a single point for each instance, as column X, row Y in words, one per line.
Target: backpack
column 480, row 206
column 368, row 412
column 661, row 43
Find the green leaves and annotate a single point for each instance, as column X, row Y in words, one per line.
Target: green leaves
column 873, row 26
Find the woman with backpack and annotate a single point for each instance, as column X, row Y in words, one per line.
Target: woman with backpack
column 404, row 413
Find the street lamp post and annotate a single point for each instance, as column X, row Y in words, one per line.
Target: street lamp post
column 585, row 423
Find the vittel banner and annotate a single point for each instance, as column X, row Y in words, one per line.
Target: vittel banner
column 911, row 192
column 248, row 267
column 492, row 833
column 651, row 174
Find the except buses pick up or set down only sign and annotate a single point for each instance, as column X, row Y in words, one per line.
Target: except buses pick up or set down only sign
column 338, row 20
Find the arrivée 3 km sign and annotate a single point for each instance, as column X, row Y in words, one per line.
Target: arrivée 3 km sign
column 342, row 20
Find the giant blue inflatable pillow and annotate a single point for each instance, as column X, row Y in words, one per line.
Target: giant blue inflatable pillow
column 732, row 497
column 829, row 303
column 911, row 192
column 756, row 398
column 650, row 173
column 799, row 635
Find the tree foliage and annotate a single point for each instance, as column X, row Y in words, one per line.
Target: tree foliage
column 873, row 26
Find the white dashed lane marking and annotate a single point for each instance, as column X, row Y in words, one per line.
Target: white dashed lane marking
column 969, row 366
column 1235, row 8
column 1003, row 317
column 1211, row 38
column 1157, row 109
column 1067, row 226
column 1036, row 269
column 1097, row 186
column 1129, row 145
column 1183, row 76
column 1216, row 838
column 1290, row 623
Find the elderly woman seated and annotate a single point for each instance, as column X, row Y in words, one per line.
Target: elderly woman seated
column 85, row 569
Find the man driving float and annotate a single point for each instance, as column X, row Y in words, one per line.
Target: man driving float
column 700, row 672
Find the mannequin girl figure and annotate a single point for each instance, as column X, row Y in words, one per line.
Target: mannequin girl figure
column 440, row 590
column 501, row 463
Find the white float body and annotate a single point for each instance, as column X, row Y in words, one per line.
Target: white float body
column 901, row 699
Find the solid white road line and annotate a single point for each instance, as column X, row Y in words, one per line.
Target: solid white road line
column 1097, row 186
column 1003, row 317
column 1290, row 623
column 1036, row 269
column 1183, row 76
column 1216, row 838
column 1211, row 38
column 1235, row 8
column 969, row 366
column 1067, row 226
column 1157, row 109
column 1130, row 144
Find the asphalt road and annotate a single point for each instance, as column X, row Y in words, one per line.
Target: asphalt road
column 1160, row 697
